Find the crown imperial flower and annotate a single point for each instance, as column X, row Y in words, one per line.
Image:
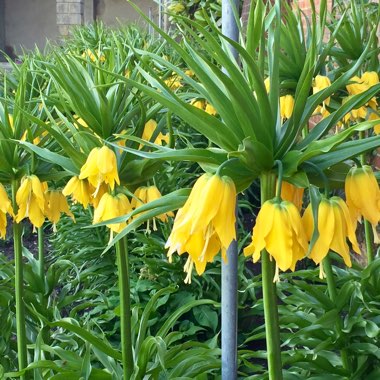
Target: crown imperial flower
column 279, row 230
column 363, row 196
column 79, row 190
column 5, row 207
column 56, row 203
column 149, row 129
column 205, row 224
column 292, row 193
column 146, row 194
column 286, row 106
column 334, row 226
column 101, row 166
column 112, row 206
column 30, row 199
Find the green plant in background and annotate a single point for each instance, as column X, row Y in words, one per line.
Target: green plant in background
column 158, row 108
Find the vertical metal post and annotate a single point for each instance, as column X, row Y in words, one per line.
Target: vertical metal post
column 160, row 14
column 229, row 270
column 150, row 15
column 2, row 29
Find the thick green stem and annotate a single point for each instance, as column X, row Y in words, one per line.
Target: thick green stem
column 367, row 226
column 272, row 328
column 19, row 289
column 41, row 254
column 125, row 308
column 368, row 240
column 331, row 287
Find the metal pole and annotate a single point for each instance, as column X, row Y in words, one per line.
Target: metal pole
column 229, row 270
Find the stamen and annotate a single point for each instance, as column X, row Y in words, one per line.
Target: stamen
column 276, row 277
column 188, row 268
column 322, row 273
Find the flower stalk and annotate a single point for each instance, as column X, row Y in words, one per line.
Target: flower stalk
column 125, row 308
column 19, row 288
column 41, row 254
column 331, row 287
column 368, row 236
column 272, row 328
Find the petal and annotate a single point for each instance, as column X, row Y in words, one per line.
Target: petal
column 339, row 244
column 279, row 242
column 326, row 225
column 225, row 219
column 90, row 167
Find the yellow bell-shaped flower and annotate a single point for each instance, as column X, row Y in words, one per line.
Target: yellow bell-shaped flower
column 334, row 226
column 210, row 109
column 5, row 208
column 292, row 193
column 101, row 166
column 205, row 224
column 146, row 194
column 56, row 203
column 320, row 83
column 286, row 106
column 112, row 206
column 30, row 200
column 363, row 196
column 279, row 230
column 149, row 129
column 79, row 190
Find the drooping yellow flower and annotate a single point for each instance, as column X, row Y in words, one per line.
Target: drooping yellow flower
column 334, row 226
column 363, row 196
column 79, row 190
column 198, row 103
column 355, row 114
column 79, row 121
column 292, row 193
column 146, row 194
column 372, row 117
column 95, row 199
column 286, row 106
column 356, row 86
column 5, row 208
column 112, row 206
column 5, row 203
column 56, row 203
column 94, row 56
column 279, row 230
column 210, row 109
column 205, row 224
column 359, row 85
column 320, row 83
column 101, row 166
column 370, row 78
column 149, row 129
column 30, row 200
column 173, row 82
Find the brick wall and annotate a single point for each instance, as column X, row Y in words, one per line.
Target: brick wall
column 69, row 13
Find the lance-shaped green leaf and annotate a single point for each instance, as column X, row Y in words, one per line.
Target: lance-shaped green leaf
column 345, row 151
column 51, row 157
column 294, row 158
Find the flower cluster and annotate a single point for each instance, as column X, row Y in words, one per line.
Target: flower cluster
column 285, row 235
column 33, row 201
column 96, row 186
